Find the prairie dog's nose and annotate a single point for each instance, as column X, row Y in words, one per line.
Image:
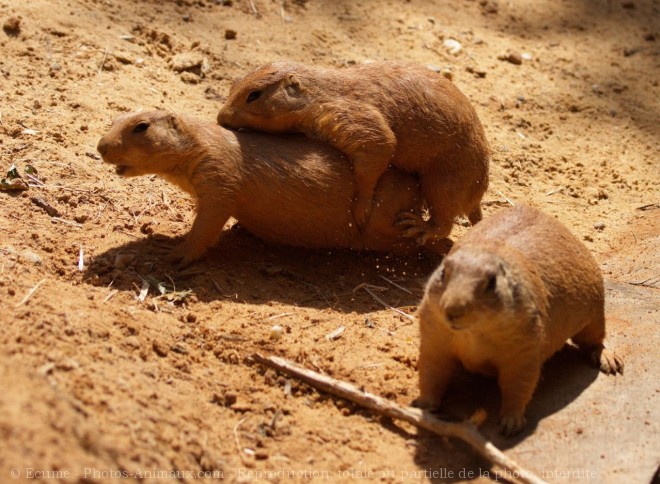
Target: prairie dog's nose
column 225, row 117
column 454, row 311
column 102, row 146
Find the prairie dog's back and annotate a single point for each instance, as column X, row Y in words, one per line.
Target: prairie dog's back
column 305, row 180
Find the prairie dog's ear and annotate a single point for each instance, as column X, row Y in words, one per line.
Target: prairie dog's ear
column 171, row 120
column 292, row 84
column 504, row 282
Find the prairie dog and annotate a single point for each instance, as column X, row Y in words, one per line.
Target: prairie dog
column 378, row 114
column 506, row 298
column 285, row 189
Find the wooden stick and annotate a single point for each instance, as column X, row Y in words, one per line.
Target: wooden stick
column 30, row 293
column 466, row 432
column 383, row 303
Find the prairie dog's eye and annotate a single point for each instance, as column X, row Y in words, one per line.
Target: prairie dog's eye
column 253, row 96
column 441, row 274
column 491, row 283
column 141, row 127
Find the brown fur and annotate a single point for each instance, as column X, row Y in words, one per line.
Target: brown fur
column 508, row 296
column 287, row 190
column 378, row 114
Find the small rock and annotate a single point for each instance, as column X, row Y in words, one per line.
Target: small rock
column 230, row 34
column 45, row 369
column 31, row 256
column 447, row 74
column 189, row 78
column 512, row 57
column 227, row 399
column 599, row 225
column 489, row 6
column 261, row 455
column 477, row 72
column 161, row 349
column 453, row 46
column 132, row 342
column 276, row 332
column 186, row 18
column 68, row 365
column 191, row 318
column 628, row 51
column 12, row 26
column 180, row 348
column 628, row 5
column 123, row 57
column 187, row 61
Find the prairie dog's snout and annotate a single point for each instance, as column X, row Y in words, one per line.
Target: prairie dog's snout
column 463, row 285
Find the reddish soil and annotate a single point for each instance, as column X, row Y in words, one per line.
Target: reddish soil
column 103, row 385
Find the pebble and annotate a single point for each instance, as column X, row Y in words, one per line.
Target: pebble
column 230, row 34
column 186, row 61
column 132, row 342
column 160, row 348
column 276, row 332
column 12, row 26
column 599, row 225
column 453, row 46
column 476, row 71
column 512, row 57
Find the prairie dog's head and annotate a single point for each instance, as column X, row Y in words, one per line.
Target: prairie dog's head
column 143, row 142
column 265, row 99
column 471, row 288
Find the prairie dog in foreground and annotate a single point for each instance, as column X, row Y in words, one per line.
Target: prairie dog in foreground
column 506, row 298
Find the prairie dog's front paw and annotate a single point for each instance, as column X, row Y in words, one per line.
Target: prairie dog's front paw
column 607, row 361
column 184, row 254
column 511, row 424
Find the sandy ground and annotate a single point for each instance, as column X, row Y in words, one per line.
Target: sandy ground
column 102, row 385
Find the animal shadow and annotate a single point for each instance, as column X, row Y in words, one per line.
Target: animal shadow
column 243, row 268
column 563, row 379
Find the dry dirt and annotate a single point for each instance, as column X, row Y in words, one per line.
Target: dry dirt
column 100, row 385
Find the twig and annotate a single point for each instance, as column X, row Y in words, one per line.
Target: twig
column 383, row 303
column 111, row 295
column 552, row 192
column 650, row 282
column 66, row 222
column 279, row 316
column 254, row 9
column 30, row 293
column 105, row 57
column 396, row 285
column 238, row 444
column 649, row 206
column 505, row 198
column 466, row 432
